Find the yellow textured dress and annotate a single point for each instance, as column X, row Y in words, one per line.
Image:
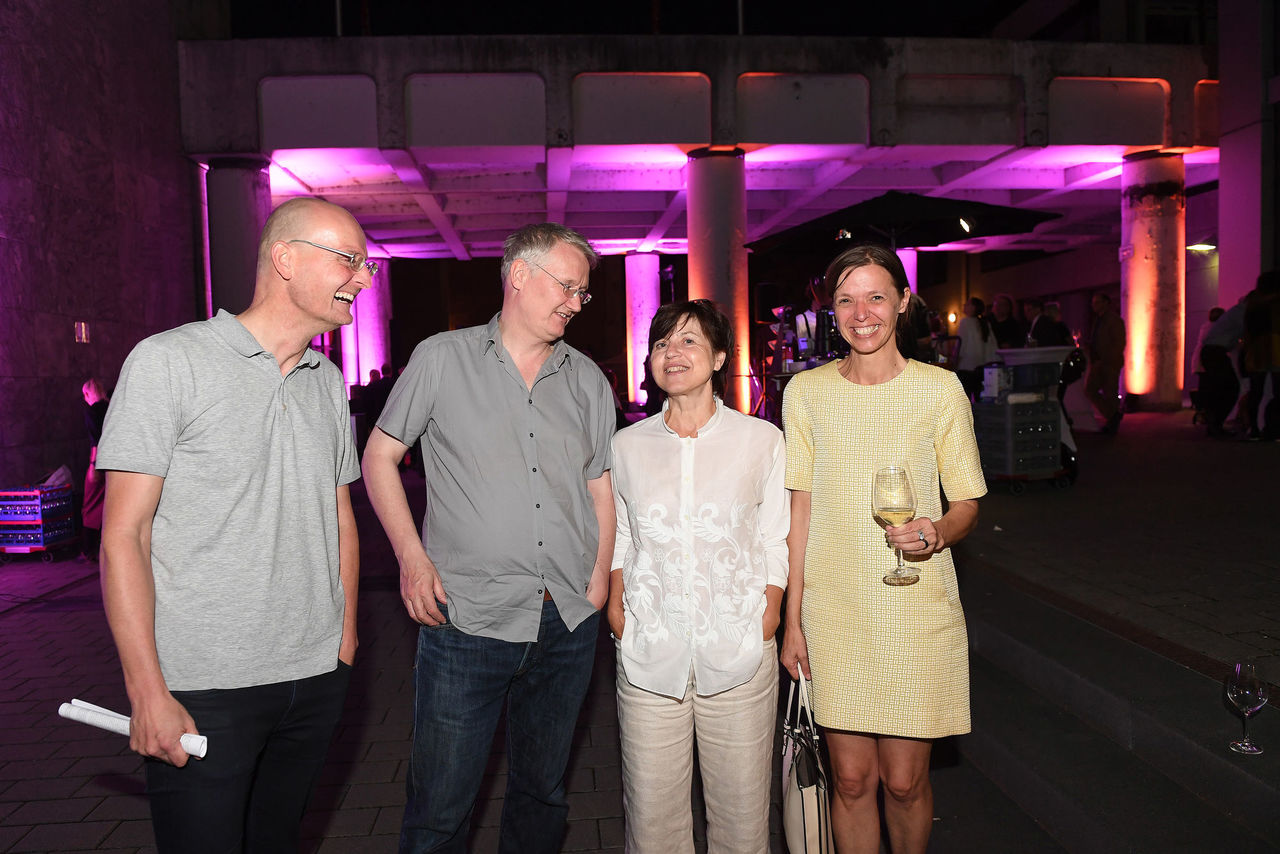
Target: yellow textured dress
column 884, row 660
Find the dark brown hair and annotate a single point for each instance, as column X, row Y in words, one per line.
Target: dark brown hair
column 872, row 255
column 714, row 325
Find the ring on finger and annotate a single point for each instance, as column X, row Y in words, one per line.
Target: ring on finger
column 923, row 539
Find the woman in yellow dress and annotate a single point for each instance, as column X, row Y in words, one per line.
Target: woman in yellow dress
column 889, row 664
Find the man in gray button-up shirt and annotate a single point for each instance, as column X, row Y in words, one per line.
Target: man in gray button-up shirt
column 512, row 566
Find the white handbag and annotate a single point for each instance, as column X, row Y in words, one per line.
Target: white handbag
column 806, row 801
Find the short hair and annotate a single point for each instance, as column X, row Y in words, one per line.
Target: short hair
column 1053, row 310
column 1034, row 303
column 872, row 255
column 714, row 325
column 286, row 221
column 864, row 255
column 534, row 241
column 1216, row 312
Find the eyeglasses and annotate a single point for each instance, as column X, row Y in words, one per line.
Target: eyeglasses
column 569, row 290
column 354, row 259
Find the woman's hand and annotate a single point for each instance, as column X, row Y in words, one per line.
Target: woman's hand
column 923, row 537
column 614, row 612
column 795, row 651
column 917, row 539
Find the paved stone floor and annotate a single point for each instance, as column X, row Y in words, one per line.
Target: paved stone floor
column 1164, row 539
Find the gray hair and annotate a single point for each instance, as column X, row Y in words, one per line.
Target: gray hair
column 534, row 241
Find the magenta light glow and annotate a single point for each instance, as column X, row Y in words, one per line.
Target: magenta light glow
column 643, row 299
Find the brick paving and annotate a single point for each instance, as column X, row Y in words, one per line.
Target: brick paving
column 1149, row 542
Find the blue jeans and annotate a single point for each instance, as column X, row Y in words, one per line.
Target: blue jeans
column 461, row 683
column 267, row 744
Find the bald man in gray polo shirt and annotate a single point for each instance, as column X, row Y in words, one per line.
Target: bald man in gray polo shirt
column 229, row 549
column 512, row 566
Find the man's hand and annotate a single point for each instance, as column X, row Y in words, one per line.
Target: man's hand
column 156, row 728
column 598, row 590
column 421, row 589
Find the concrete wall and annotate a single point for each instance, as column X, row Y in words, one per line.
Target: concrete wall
column 96, row 213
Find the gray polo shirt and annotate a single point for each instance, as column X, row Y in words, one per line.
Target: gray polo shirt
column 244, row 543
column 508, row 512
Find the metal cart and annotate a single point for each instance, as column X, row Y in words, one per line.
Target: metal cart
column 1018, row 420
column 36, row 519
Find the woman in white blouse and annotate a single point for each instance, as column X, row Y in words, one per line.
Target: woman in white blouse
column 699, row 567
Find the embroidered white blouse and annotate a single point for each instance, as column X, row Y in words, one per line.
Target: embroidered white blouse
column 702, row 530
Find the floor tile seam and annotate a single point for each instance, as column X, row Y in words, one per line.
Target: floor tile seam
column 1195, row 660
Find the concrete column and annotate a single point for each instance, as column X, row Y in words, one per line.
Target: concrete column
column 910, row 262
column 1153, row 277
column 643, row 298
column 366, row 341
column 239, row 192
column 717, row 228
column 1249, row 195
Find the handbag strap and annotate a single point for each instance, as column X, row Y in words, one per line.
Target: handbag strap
column 798, row 715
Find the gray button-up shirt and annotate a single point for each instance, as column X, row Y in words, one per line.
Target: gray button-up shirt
column 508, row 512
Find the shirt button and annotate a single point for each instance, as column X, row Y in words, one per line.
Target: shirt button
column 530, row 435
column 535, row 468
column 539, row 542
column 538, row 506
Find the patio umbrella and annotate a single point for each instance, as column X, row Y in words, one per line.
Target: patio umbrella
column 901, row 219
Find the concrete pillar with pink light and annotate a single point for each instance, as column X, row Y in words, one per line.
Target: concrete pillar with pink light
column 717, row 228
column 239, row 197
column 1153, row 277
column 643, row 299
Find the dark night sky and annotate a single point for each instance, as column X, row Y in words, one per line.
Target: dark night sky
column 942, row 18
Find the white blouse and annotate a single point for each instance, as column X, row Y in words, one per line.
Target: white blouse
column 702, row 529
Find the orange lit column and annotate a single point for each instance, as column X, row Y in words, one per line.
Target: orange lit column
column 643, row 299
column 1153, row 277
column 717, row 227
column 239, row 194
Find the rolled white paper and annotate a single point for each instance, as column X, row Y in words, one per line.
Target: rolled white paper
column 88, row 713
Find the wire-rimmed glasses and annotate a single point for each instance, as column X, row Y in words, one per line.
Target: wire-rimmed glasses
column 570, row 291
column 355, row 261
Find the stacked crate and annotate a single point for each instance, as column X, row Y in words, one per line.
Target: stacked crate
column 36, row 519
column 1019, row 430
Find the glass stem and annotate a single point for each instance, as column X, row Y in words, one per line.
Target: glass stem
column 900, row 570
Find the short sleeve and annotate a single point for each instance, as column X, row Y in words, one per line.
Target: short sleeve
column 959, row 466
column 797, row 426
column 408, row 409
column 143, row 421
column 348, row 469
column 605, row 423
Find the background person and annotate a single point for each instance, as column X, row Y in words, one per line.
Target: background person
column 977, row 347
column 95, row 484
column 700, row 563
column 1106, row 360
column 889, row 664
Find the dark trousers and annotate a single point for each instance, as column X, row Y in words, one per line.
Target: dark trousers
column 461, row 684
column 267, row 744
column 1219, row 386
column 1270, row 418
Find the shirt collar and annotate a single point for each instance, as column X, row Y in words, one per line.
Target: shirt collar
column 705, row 429
column 231, row 330
column 493, row 340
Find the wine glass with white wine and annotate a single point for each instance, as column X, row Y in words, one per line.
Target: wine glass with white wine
column 1247, row 693
column 894, row 502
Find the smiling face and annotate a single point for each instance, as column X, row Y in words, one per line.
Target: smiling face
column 867, row 305
column 322, row 287
column 684, row 360
column 537, row 301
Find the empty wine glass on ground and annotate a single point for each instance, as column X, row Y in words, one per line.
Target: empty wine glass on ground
column 894, row 501
column 1247, row 693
